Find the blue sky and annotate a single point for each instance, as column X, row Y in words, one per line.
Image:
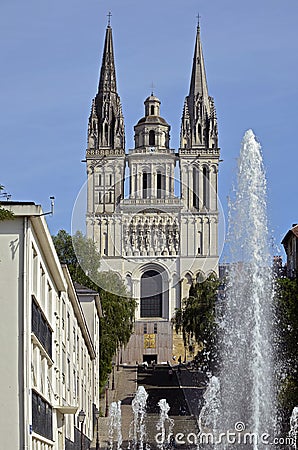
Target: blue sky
column 51, row 54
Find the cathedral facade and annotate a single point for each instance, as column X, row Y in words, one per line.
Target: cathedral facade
column 153, row 210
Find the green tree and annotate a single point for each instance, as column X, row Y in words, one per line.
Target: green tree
column 287, row 323
column 4, row 213
column 196, row 319
column 83, row 261
column 81, row 257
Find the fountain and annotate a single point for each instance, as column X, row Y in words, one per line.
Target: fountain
column 241, row 401
column 246, row 366
column 138, row 427
column 209, row 414
column 115, row 433
column 164, row 425
column 293, row 434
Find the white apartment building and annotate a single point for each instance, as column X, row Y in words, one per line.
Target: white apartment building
column 50, row 350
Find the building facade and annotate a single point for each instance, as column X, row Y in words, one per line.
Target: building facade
column 290, row 244
column 49, row 369
column 157, row 229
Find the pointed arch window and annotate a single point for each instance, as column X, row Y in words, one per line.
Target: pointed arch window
column 206, row 188
column 200, row 133
column 106, row 128
column 196, row 187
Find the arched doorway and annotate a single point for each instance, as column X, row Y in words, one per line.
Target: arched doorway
column 151, row 294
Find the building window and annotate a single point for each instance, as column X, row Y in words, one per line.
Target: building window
column 136, row 183
column 146, row 184
column 152, row 110
column 195, row 188
column 145, row 328
column 74, row 384
column 151, row 137
column 161, row 185
column 63, row 314
column 105, row 242
column 49, row 300
column 151, row 294
column 155, row 328
column 68, row 373
column 68, row 326
column 42, row 285
column 63, row 365
column 199, row 242
column 206, row 187
column 41, row 328
column 42, row 416
column 74, row 341
column 200, row 132
column 35, row 269
column 106, row 128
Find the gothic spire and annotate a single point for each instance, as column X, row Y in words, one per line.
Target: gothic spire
column 199, row 125
column 198, row 84
column 106, row 123
column 107, row 81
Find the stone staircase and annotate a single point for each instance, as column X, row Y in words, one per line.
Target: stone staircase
column 185, row 427
column 159, row 384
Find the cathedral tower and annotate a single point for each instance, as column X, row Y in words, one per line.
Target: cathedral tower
column 199, row 153
column 105, row 154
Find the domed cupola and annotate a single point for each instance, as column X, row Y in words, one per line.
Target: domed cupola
column 152, row 106
column 152, row 131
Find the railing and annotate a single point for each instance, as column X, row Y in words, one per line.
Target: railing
column 40, row 443
column 41, row 328
column 152, row 150
column 151, row 201
column 105, row 152
column 199, row 151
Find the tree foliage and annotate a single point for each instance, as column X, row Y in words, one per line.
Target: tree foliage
column 4, row 213
column 196, row 318
column 287, row 321
column 83, row 261
column 81, row 257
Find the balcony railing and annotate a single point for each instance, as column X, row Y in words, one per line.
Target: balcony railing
column 152, row 201
column 105, row 152
column 199, row 151
column 152, row 150
column 41, row 328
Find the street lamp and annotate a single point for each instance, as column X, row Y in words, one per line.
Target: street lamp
column 81, row 417
column 107, row 400
column 119, row 353
column 97, row 439
column 113, row 376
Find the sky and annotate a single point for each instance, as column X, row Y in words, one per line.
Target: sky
column 51, row 54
